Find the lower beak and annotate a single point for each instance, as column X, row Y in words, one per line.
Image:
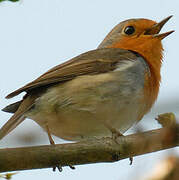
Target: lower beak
column 163, row 35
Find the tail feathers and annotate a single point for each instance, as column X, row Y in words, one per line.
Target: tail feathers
column 12, row 108
column 13, row 122
column 18, row 116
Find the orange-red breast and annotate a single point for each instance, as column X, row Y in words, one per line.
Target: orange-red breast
column 109, row 88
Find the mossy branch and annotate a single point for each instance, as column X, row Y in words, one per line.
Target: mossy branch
column 86, row 152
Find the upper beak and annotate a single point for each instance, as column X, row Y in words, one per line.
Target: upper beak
column 157, row 27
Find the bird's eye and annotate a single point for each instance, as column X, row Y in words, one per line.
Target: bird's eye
column 129, row 30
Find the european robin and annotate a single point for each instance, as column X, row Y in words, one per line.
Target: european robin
column 98, row 92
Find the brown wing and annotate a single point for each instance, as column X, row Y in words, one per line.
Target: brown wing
column 92, row 62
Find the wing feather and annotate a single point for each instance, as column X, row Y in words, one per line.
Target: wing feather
column 93, row 62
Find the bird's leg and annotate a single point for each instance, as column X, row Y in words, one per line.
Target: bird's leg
column 49, row 135
column 115, row 134
column 53, row 143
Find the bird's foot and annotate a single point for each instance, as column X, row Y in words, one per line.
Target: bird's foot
column 115, row 135
column 60, row 168
column 52, row 142
column 57, row 167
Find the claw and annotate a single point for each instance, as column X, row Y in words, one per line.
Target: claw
column 131, row 160
column 58, row 167
column 72, row 167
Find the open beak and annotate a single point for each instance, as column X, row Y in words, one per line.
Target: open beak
column 156, row 28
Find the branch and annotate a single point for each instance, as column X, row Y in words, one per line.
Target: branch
column 9, row 0
column 85, row 152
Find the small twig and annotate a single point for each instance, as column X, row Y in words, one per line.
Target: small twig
column 9, row 0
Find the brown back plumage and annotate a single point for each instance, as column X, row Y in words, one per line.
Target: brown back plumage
column 92, row 62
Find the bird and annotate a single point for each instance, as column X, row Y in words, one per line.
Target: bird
column 99, row 93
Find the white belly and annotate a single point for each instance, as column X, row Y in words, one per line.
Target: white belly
column 80, row 108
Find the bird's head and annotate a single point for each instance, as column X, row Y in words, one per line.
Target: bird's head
column 138, row 35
